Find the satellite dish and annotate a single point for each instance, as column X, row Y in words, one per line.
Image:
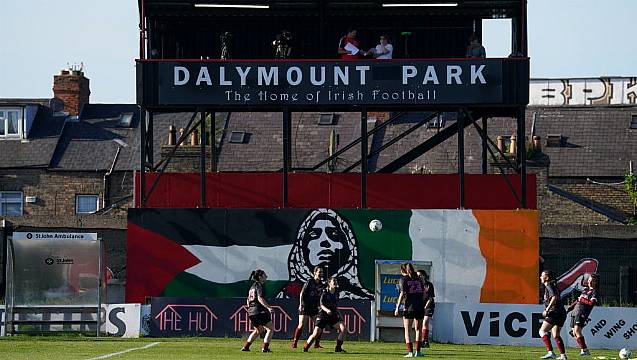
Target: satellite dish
column 56, row 104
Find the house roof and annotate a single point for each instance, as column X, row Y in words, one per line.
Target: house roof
column 91, row 143
column 262, row 148
column 22, row 102
column 598, row 142
column 37, row 150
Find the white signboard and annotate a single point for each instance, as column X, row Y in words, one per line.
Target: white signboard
column 53, row 236
column 123, row 320
column 510, row 324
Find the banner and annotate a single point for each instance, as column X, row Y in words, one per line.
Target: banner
column 398, row 82
column 229, row 318
column 506, row 324
column 475, row 256
column 123, row 320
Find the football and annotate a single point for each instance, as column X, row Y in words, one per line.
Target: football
column 624, row 353
column 375, row 225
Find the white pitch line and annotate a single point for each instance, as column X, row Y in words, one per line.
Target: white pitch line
column 125, row 351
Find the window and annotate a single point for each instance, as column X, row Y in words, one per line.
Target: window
column 10, row 203
column 86, row 204
column 125, row 119
column 11, row 122
column 326, row 119
column 554, row 140
column 633, row 121
column 237, row 137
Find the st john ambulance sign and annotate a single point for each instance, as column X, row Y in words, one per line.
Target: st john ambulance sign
column 277, row 83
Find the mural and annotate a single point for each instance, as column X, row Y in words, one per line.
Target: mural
column 587, row 92
column 476, row 256
column 325, row 239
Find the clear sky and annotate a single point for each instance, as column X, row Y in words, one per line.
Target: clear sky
column 38, row 38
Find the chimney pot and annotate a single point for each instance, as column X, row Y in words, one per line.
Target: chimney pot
column 172, row 135
column 500, row 143
column 194, row 137
column 514, row 146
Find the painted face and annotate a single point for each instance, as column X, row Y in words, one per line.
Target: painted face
column 325, row 244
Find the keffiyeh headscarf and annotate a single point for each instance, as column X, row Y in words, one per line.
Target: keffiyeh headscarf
column 347, row 273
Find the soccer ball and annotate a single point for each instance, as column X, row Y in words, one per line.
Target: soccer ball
column 624, row 353
column 375, row 225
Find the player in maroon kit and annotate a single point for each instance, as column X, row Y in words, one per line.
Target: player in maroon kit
column 259, row 312
column 430, row 306
column 412, row 292
column 583, row 307
column 554, row 315
column 309, row 304
column 328, row 316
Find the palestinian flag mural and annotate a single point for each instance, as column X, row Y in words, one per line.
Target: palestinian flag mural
column 476, row 256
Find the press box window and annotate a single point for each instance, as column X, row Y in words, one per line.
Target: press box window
column 10, row 203
column 86, row 204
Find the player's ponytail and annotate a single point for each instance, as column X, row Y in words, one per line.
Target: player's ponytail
column 252, row 275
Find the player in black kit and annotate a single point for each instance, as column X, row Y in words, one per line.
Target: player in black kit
column 412, row 292
column 309, row 304
column 430, row 306
column 328, row 316
column 583, row 307
column 259, row 312
column 554, row 315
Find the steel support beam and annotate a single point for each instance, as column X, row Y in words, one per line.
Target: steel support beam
column 522, row 154
column 485, row 168
column 287, row 147
column 202, row 159
column 461, row 121
column 142, row 155
column 364, row 137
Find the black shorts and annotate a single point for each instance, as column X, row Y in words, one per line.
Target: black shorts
column 556, row 318
column 578, row 319
column 418, row 314
column 430, row 312
column 260, row 319
column 310, row 311
column 324, row 320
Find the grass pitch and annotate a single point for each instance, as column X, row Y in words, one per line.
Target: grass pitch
column 31, row 347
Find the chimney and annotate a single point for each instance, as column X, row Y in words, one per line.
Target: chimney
column 72, row 88
column 537, row 143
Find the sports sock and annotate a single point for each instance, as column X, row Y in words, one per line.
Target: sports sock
column 547, row 342
column 339, row 343
column 266, row 346
column 247, row 344
column 418, row 344
column 307, row 345
column 581, row 342
column 297, row 335
column 425, row 335
column 410, row 347
column 317, row 341
column 560, row 344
